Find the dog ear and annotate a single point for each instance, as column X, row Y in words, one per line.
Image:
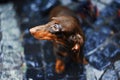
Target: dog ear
column 77, row 49
column 79, row 41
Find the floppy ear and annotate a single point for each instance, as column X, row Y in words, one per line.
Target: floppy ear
column 79, row 41
column 77, row 49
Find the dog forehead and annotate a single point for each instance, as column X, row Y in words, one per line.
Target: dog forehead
column 63, row 18
column 68, row 23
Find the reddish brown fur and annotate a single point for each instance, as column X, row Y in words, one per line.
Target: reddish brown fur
column 67, row 36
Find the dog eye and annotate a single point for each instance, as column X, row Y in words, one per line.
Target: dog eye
column 56, row 27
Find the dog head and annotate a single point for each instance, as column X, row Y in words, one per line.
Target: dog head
column 62, row 30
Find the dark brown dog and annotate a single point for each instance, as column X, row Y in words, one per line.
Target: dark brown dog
column 65, row 32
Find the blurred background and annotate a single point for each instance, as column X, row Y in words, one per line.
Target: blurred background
column 24, row 58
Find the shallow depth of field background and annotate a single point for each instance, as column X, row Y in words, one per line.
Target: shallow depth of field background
column 24, row 58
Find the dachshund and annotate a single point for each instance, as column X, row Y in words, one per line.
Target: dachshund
column 64, row 30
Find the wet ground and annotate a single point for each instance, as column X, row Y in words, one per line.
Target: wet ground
column 102, row 47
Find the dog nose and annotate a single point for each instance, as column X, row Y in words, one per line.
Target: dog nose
column 32, row 30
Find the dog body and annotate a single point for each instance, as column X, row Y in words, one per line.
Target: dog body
column 65, row 31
